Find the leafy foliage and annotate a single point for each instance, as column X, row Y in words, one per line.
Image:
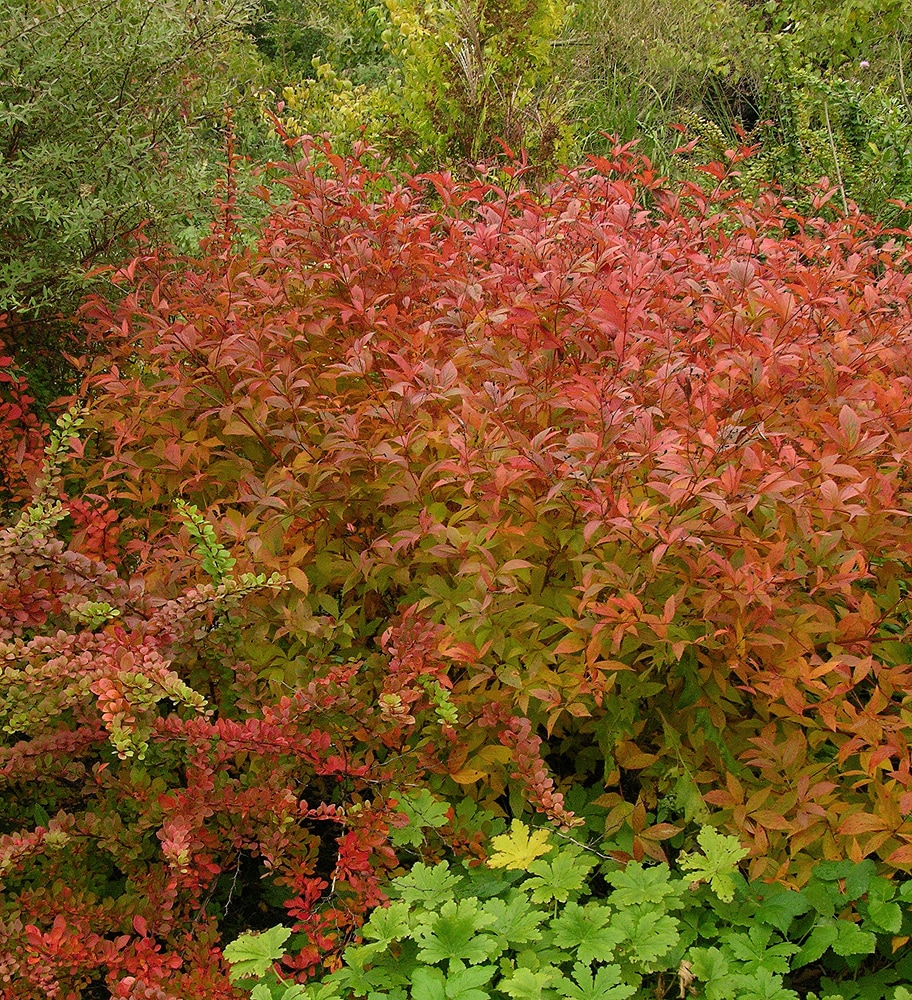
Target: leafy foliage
column 625, row 462
column 588, row 498
column 461, row 80
column 21, row 433
column 106, row 124
column 720, row 856
column 596, row 945
column 819, row 88
column 149, row 779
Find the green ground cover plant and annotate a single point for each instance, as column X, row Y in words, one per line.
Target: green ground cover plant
column 547, row 918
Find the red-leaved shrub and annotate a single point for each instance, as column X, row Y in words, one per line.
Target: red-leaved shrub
column 642, row 452
column 21, row 432
column 155, row 795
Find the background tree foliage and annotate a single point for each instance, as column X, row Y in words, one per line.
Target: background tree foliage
column 109, row 121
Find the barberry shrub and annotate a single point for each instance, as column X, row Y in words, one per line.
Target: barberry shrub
column 635, row 457
column 156, row 794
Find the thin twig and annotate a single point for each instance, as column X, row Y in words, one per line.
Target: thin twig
column 902, row 75
column 826, row 115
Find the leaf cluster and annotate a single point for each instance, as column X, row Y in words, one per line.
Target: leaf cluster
column 451, row 931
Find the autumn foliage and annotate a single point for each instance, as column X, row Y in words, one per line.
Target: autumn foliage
column 604, row 486
column 155, row 804
column 21, row 433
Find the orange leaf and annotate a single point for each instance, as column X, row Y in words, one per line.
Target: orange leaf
column 569, row 644
column 861, row 823
column 298, row 579
column 901, row 856
column 662, row 831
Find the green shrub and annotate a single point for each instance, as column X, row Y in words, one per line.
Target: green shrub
column 820, row 88
column 464, row 76
column 291, row 34
column 109, row 119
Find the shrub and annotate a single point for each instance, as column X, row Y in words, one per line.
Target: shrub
column 107, row 123
column 156, row 792
column 21, row 433
column 292, row 33
column 637, row 455
column 464, row 78
column 819, row 87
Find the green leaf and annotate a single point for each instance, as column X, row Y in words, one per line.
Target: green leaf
column 530, row 984
column 483, row 882
column 636, row 886
column 453, row 933
column 317, row 991
column 882, row 911
column 293, row 991
column 559, row 878
column 859, row 878
column 881, row 889
column 422, row 810
column 832, row 871
column 464, row 984
column 428, row 984
column 251, row 955
column 604, row 984
column 852, row 940
column 647, row 934
column 387, row 924
column 514, row 921
column 424, row 884
column 361, row 974
column 762, row 985
column 824, row 897
column 780, row 907
column 818, row 941
column 755, row 951
column 686, row 792
column 885, row 915
column 584, row 931
column 265, row 991
column 719, row 862
column 710, row 966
